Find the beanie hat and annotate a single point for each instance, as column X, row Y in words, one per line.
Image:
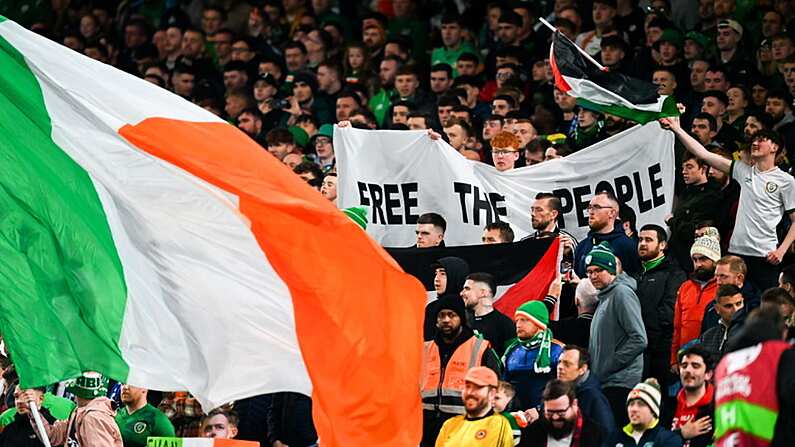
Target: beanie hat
column 602, row 256
column 537, row 312
column 707, row 246
column 358, row 214
column 711, row 232
column 452, row 302
column 89, row 385
column 649, row 392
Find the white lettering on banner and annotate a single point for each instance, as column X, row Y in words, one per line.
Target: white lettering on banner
column 399, row 175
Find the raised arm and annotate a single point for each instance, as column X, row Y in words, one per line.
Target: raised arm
column 692, row 145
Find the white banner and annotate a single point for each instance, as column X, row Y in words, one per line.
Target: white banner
column 399, row 175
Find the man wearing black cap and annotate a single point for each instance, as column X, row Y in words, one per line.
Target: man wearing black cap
column 454, row 350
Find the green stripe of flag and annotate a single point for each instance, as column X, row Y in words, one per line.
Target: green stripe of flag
column 639, row 116
column 746, row 417
column 61, row 280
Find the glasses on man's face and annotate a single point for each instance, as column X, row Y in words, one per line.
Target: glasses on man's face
column 558, row 413
column 594, row 208
column 322, row 141
column 501, row 153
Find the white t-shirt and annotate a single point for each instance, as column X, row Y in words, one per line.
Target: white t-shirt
column 565, row 442
column 764, row 198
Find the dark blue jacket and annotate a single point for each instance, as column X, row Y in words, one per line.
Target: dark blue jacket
column 594, row 404
column 624, row 248
column 657, row 437
column 520, row 373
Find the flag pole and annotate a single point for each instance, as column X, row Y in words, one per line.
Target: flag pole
column 583, row 52
column 34, row 410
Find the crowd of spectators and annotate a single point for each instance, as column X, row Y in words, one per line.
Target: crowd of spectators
column 645, row 314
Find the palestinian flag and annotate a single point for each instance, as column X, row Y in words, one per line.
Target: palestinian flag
column 145, row 238
column 603, row 90
column 522, row 270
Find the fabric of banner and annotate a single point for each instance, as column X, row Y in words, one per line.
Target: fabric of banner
column 400, row 175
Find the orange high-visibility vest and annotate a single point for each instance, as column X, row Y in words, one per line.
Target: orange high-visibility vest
column 442, row 387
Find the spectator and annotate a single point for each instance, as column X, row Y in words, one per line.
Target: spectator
column 329, row 187
column 449, row 276
column 643, row 409
column 729, row 303
column 577, row 330
column 17, row 430
column 617, row 334
column 695, row 205
column 441, row 79
column 480, row 421
column 532, row 358
column 498, row 232
column 478, row 295
column 603, row 14
column 453, row 351
column 695, row 401
column 138, row 420
column 91, row 423
column 658, row 285
column 754, row 238
column 575, row 367
column 453, row 42
column 505, row 151
column 250, row 122
column 348, row 102
column 602, row 213
column 729, row 270
column 695, row 294
column 280, row 142
column 311, row 174
column 430, row 230
column 563, row 420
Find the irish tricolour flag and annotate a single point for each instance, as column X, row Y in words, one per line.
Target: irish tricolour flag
column 604, row 90
column 144, row 238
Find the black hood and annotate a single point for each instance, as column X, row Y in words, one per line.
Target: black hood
column 457, row 270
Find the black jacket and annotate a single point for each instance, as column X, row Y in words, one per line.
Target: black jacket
column 457, row 270
column 573, row 331
column 20, row 432
column 290, row 420
column 592, row 434
column 657, row 290
column 697, row 203
column 594, row 405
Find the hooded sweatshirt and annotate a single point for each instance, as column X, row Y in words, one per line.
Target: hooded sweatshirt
column 94, row 425
column 623, row 247
column 618, row 336
column 457, row 270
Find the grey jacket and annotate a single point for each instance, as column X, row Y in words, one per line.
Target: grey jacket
column 618, row 336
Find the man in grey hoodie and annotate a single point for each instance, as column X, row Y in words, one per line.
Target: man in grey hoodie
column 618, row 337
